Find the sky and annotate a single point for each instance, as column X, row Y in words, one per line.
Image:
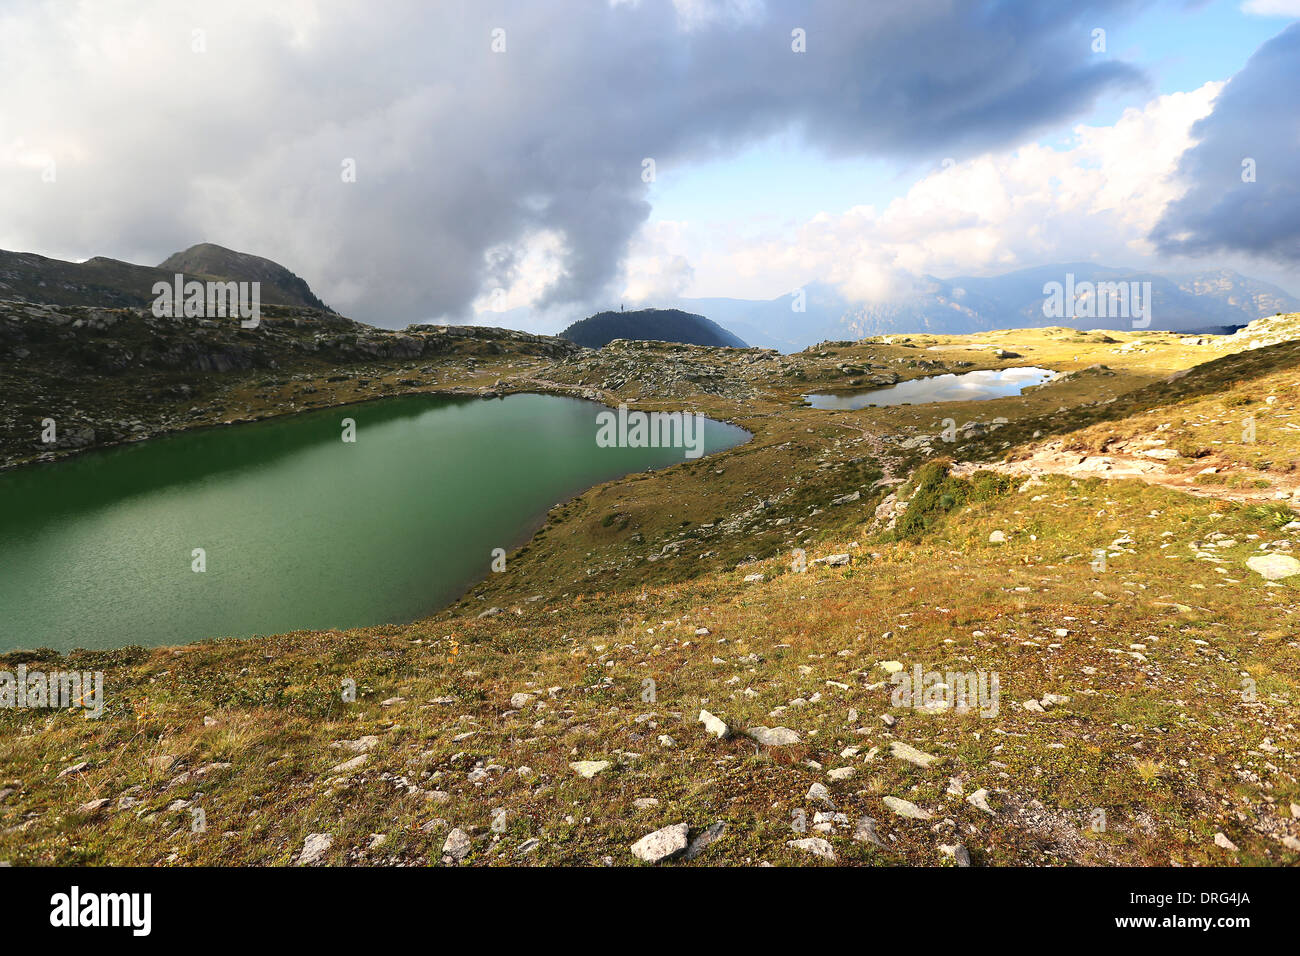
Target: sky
column 452, row 161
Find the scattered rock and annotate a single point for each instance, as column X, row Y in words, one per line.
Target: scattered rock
column 1222, row 841
column 661, row 844
column 865, row 832
column 347, row 766
column 714, row 725
column 980, row 801
column 907, row 809
column 314, row 847
column 457, row 845
column 905, row 752
column 773, row 736
column 589, row 768
column 814, row 845
column 1273, row 567
column 958, row 852
column 702, row 841
column 819, row 792
column 359, row 746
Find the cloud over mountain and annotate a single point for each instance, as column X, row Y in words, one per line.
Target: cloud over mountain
column 519, row 170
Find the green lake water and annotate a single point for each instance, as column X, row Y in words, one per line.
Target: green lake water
column 300, row 529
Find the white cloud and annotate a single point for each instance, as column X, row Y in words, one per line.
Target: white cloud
column 465, row 151
column 1272, row 8
column 1097, row 199
column 652, row 272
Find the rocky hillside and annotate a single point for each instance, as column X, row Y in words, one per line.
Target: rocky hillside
column 108, row 283
column 112, row 375
column 655, row 325
column 699, row 665
column 207, row 259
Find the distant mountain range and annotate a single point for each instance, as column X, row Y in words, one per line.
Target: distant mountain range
column 1196, row 302
column 107, row 282
column 659, row 325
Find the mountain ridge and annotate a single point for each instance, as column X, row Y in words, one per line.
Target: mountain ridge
column 654, row 325
column 1219, row 299
column 103, row 282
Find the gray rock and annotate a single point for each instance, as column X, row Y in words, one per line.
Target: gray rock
column 906, row 752
column 714, row 725
column 818, row 791
column 865, row 832
column 702, row 840
column 457, row 845
column 661, row 844
column 773, row 736
column 314, row 847
column 1222, row 841
column 957, row 851
column 814, row 845
column 1273, row 567
column 907, row 809
column 347, row 766
column 980, row 801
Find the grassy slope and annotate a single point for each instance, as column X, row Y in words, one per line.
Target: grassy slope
column 1157, row 732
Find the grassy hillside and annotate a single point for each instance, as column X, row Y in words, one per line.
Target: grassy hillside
column 1148, row 701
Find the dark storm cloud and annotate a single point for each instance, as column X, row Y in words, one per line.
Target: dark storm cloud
column 1257, row 118
column 461, row 151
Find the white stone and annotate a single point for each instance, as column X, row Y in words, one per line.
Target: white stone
column 314, row 847
column 457, row 845
column 1273, row 567
column 1222, row 841
column 905, row 808
column 661, row 844
column 814, row 845
column 714, row 725
column 773, row 736
column 905, row 752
